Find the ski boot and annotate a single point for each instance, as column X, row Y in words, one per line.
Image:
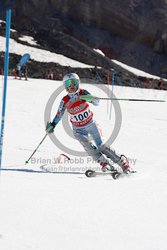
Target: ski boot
column 124, row 164
column 107, row 166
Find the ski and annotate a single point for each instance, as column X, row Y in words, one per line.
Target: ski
column 115, row 175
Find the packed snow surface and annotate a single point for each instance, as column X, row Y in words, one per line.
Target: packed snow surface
column 66, row 210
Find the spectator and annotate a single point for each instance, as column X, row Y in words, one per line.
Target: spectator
column 17, row 71
column 24, row 71
column 160, row 83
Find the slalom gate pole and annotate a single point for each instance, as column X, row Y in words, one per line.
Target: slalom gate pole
column 6, row 69
column 26, row 162
column 112, row 84
column 108, row 85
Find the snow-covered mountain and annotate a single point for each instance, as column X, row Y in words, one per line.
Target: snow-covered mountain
column 44, row 59
column 50, row 59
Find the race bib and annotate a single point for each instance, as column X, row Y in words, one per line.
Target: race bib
column 81, row 118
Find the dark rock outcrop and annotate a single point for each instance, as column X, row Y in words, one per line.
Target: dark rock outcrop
column 131, row 31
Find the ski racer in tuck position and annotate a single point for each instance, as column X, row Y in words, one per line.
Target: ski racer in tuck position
column 84, row 127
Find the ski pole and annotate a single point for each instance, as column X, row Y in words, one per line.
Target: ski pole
column 26, row 162
column 128, row 99
column 90, row 98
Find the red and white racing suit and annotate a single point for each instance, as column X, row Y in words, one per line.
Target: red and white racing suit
column 79, row 111
column 84, row 128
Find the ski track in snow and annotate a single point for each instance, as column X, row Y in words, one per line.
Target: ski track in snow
column 69, row 211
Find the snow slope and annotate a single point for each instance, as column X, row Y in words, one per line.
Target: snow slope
column 135, row 71
column 40, row 55
column 69, row 211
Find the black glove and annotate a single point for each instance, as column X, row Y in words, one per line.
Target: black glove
column 50, row 127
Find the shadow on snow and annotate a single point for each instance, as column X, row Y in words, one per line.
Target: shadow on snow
column 36, row 171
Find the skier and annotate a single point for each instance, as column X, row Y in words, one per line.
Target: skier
column 84, row 126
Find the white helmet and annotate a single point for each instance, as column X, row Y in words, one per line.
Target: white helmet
column 71, row 79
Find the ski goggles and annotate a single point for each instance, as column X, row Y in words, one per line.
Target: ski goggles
column 71, row 82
